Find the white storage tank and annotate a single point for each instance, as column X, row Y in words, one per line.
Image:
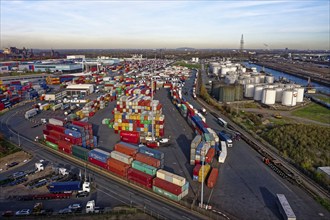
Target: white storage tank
column 249, row 90
column 279, row 93
column 262, row 78
column 300, row 94
column 256, row 79
column 224, row 70
column 258, row 93
column 269, row 79
column 230, row 79
column 289, row 97
column 289, row 86
column 268, row 96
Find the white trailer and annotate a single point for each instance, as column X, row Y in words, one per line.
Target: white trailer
column 31, row 113
column 285, row 208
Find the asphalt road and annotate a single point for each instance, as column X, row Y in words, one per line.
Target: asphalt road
column 109, row 192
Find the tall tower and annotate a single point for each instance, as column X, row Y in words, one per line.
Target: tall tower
column 242, row 44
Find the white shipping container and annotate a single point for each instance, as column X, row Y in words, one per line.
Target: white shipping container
column 177, row 180
column 58, row 106
column 121, row 157
column 54, row 121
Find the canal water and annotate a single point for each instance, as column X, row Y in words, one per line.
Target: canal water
column 277, row 74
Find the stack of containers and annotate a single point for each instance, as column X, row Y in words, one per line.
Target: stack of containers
column 118, row 167
column 145, row 168
column 99, row 157
column 201, row 152
column 86, row 132
column 195, row 142
column 121, row 157
column 134, row 114
column 126, row 148
column 153, row 153
column 139, row 177
column 201, row 177
column 151, row 161
column 170, row 185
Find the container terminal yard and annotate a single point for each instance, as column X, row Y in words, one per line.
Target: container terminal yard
column 135, row 135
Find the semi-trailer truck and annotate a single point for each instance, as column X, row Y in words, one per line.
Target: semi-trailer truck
column 71, row 186
column 225, row 137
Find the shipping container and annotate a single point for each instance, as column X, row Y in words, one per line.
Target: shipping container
column 168, row 194
column 80, row 152
column 99, row 155
column 144, row 168
column 205, row 169
column 55, row 121
column 170, row 187
column 139, row 177
column 52, row 145
column 212, row 179
column 149, row 160
column 171, row 177
column 210, row 155
column 98, row 162
column 126, row 148
column 151, row 152
column 65, row 147
column 130, row 136
column 121, row 157
column 118, row 167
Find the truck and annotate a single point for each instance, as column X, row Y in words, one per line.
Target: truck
column 203, row 111
column 45, row 196
column 225, row 137
column 31, row 113
column 91, row 208
column 70, row 186
column 39, row 167
column 57, row 106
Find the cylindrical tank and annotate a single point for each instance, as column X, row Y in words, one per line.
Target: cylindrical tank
column 230, row 79
column 262, row 78
column 224, row 70
column 243, row 69
column 289, row 97
column 300, row 94
column 249, row 90
column 269, row 79
column 289, row 86
column 256, row 79
column 268, row 96
column 279, row 93
column 258, row 93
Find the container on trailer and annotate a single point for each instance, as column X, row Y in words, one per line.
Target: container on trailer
column 213, row 177
column 130, row 136
column 210, row 155
column 55, row 121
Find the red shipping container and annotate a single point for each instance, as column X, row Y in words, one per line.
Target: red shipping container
column 210, row 155
column 51, row 139
column 213, row 177
column 85, row 125
column 130, row 137
column 2, row 106
column 46, row 132
column 55, row 128
column 167, row 186
column 125, row 150
column 65, row 146
column 196, row 169
column 140, row 177
column 151, row 161
column 55, row 134
column 97, row 162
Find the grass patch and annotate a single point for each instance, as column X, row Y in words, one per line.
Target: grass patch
column 250, row 105
column 314, row 112
column 322, row 98
column 7, row 148
column 325, row 203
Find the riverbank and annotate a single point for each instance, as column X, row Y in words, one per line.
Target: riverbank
column 301, row 73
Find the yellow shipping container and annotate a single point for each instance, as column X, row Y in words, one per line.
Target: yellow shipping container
column 207, row 168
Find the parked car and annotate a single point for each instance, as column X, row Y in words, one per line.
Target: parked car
column 12, row 164
column 75, row 207
column 65, row 211
column 82, row 194
column 23, row 212
column 7, row 213
column 164, row 140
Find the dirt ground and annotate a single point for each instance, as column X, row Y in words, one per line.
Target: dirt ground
column 19, row 157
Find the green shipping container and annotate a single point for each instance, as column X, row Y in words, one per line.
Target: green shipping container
column 80, row 152
column 144, row 168
column 166, row 194
column 52, row 145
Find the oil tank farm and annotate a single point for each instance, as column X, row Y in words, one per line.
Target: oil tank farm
column 227, row 92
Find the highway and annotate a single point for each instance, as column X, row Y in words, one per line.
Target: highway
column 118, row 193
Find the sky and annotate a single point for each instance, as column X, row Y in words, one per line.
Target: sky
column 92, row 24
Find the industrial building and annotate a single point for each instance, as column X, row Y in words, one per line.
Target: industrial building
column 325, row 171
column 58, row 67
column 55, row 96
column 227, row 92
column 79, row 90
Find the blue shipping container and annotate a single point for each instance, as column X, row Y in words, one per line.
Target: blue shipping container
column 77, row 128
column 99, row 155
column 73, row 133
column 151, row 152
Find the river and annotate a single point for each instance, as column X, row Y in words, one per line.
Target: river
column 297, row 80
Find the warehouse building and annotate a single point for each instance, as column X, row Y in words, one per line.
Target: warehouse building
column 55, row 96
column 79, row 90
column 58, row 67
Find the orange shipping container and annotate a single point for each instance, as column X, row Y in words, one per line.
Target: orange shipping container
column 210, row 155
column 212, row 180
column 117, row 165
column 148, row 160
column 125, row 150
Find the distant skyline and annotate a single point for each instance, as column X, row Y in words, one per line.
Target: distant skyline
column 169, row 24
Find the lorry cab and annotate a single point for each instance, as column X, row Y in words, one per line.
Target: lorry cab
column 86, row 187
column 90, row 206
